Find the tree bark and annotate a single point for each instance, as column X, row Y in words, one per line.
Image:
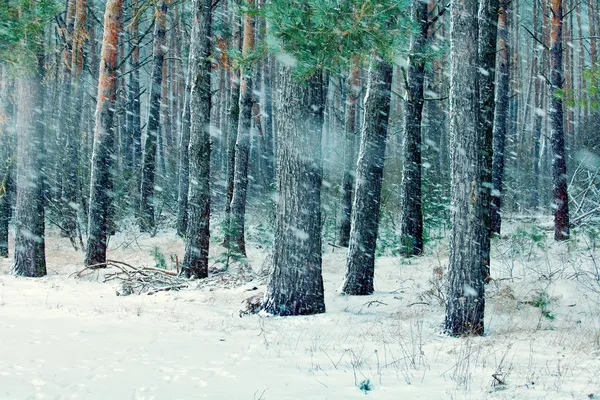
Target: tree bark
column 295, row 284
column 347, row 185
column 500, row 117
column 195, row 263
column 234, row 112
column 30, row 257
column 147, row 189
column 242, row 145
column 557, row 134
column 184, row 164
column 411, row 220
column 133, row 147
column 465, row 299
column 360, row 264
column 488, row 38
column 102, row 165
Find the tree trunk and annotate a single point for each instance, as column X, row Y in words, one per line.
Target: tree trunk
column 102, row 164
column 411, row 220
column 559, row 164
column 147, row 190
column 295, row 284
column 347, row 185
column 500, row 117
column 134, row 129
column 488, row 38
column 184, row 164
column 242, row 145
column 360, row 265
column 465, row 299
column 198, row 233
column 234, row 112
column 30, row 257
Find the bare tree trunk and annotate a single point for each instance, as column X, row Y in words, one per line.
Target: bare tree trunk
column 488, row 37
column 234, row 112
column 102, row 164
column 465, row 301
column 295, row 284
column 6, row 161
column 134, row 104
column 147, row 190
column 242, row 146
column 500, row 117
column 30, row 257
column 360, row 265
column 184, row 163
column 411, row 219
column 347, row 185
column 195, row 262
column 559, row 162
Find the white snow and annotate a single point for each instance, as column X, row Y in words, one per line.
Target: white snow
column 63, row 338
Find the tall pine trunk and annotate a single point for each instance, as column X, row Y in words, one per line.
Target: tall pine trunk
column 153, row 131
column 198, row 228
column 347, row 185
column 30, row 257
column 465, row 299
column 295, row 284
column 242, row 145
column 234, row 112
column 134, row 130
column 104, row 132
column 360, row 265
column 488, row 37
column 559, row 162
column 500, row 117
column 411, row 221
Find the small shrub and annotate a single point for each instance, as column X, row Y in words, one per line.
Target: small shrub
column 365, row 386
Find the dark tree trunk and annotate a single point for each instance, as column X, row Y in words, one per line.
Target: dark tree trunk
column 147, row 191
column 347, row 185
column 184, row 165
column 295, row 285
column 133, row 147
column 102, row 175
column 267, row 125
column 488, row 38
column 411, row 221
column 234, row 112
column 500, row 118
column 30, row 257
column 465, row 299
column 6, row 166
column 360, row 265
column 195, row 263
column 242, row 145
column 559, row 162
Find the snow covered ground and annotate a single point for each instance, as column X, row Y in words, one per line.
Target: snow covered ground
column 63, row 338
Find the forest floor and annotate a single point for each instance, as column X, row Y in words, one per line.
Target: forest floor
column 63, row 337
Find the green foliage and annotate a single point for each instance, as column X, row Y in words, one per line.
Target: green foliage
column 328, row 34
column 22, row 25
column 159, row 258
column 231, row 253
column 543, row 301
column 365, row 386
column 588, row 97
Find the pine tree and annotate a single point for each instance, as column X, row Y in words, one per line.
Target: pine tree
column 295, row 285
column 360, row 265
column 465, row 301
column 411, row 221
column 30, row 256
column 153, row 132
column 195, row 262
column 102, row 157
column 559, row 161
